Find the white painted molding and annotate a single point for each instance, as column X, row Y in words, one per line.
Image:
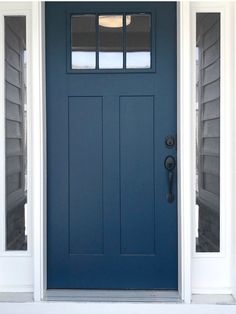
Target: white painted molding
column 211, row 291
column 14, row 287
column 185, row 148
column 233, row 141
column 38, row 182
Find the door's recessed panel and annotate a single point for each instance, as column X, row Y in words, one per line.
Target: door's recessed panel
column 137, row 175
column 86, row 177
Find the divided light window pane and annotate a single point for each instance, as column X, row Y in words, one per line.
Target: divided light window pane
column 138, row 42
column 83, row 38
column 111, row 42
column 102, row 42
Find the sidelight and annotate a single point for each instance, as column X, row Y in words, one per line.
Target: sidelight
column 208, row 132
column 15, row 132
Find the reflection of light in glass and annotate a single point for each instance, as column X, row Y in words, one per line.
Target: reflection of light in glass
column 83, row 60
column 113, row 21
column 138, row 60
column 110, row 60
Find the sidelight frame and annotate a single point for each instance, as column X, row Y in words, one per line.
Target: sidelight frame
column 206, row 264
column 12, row 259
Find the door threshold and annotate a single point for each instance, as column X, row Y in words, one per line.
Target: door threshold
column 86, row 295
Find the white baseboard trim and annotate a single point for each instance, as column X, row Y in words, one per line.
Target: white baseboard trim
column 16, row 288
column 212, row 290
column 213, row 299
column 16, row 297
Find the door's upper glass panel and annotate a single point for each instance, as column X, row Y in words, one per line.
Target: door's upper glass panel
column 83, row 38
column 138, row 42
column 111, row 41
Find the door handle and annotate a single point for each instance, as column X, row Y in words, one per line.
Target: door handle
column 170, row 166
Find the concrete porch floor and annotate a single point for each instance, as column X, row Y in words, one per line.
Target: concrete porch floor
column 22, row 303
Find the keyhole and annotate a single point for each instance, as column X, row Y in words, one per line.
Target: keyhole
column 170, row 141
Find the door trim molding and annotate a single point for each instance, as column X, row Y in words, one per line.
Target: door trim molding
column 39, row 156
column 186, row 143
column 185, row 149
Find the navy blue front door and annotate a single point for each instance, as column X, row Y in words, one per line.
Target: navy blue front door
column 111, row 223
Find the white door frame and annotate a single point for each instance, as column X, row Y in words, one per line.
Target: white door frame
column 185, row 161
column 186, row 141
column 185, row 148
